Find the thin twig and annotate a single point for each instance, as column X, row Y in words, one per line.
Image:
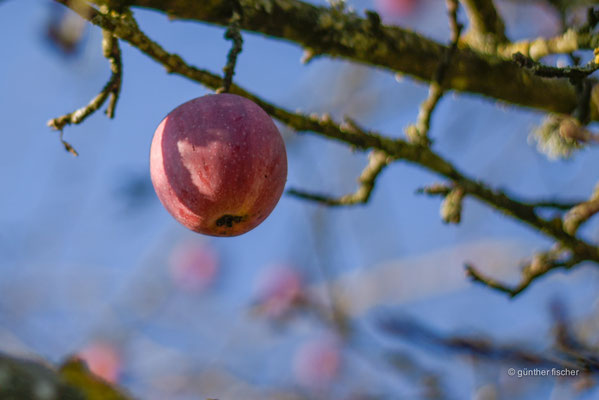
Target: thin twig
column 111, row 51
column 558, row 205
column 451, row 208
column 441, row 189
column 233, row 33
column 581, row 213
column 67, row 146
column 418, row 133
column 546, row 71
column 543, row 263
column 377, row 161
column 540, row 265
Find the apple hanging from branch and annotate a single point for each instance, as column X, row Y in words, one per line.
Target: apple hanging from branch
column 218, row 164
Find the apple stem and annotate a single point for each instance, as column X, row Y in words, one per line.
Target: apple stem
column 232, row 33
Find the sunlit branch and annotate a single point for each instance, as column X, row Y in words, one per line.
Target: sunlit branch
column 581, row 213
column 111, row 50
column 546, row 71
column 377, row 160
column 234, row 35
column 440, row 189
column 125, row 27
column 582, row 38
column 484, row 19
column 342, row 33
column 540, row 265
column 418, row 133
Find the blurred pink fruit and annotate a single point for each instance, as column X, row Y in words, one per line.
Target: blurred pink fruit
column 279, row 290
column 103, row 360
column 193, row 266
column 395, row 8
column 317, row 363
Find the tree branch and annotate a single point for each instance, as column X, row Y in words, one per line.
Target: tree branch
column 451, row 208
column 112, row 52
column 540, row 265
column 440, row 189
column 581, row 213
column 538, row 48
column 377, row 161
column 412, row 330
column 234, row 35
column 322, row 30
column 125, row 27
column 543, row 263
column 484, row 19
column 418, row 133
column 576, row 73
column 571, row 40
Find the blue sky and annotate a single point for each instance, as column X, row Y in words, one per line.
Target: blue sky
column 77, row 254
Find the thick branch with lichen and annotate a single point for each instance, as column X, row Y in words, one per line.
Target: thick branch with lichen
column 484, row 19
column 582, row 38
column 337, row 33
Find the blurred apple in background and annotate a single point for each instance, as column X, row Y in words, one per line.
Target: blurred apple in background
column 279, row 290
column 193, row 266
column 317, row 363
column 103, row 359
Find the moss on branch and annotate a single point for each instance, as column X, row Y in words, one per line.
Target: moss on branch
column 484, row 19
column 336, row 33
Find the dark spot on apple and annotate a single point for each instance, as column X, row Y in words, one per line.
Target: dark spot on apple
column 228, row 220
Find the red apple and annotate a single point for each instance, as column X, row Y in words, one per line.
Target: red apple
column 218, row 164
column 103, row 360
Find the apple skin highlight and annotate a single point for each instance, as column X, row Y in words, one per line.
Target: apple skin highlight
column 218, row 164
